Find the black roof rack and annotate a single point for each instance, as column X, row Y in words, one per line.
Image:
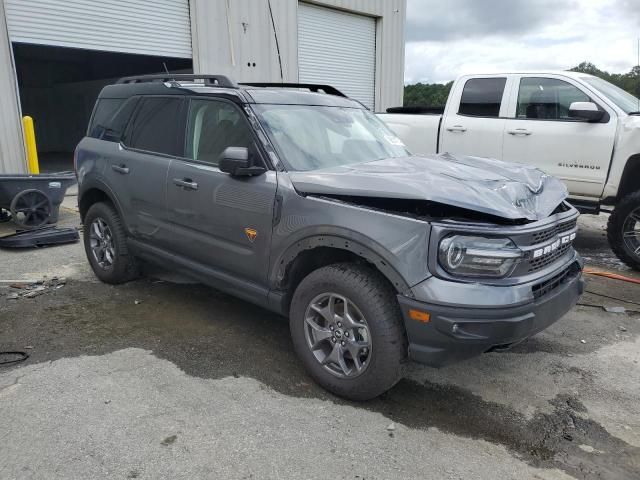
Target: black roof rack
column 210, row 80
column 314, row 87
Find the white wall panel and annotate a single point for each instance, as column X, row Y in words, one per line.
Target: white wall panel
column 158, row 27
column 230, row 34
column 12, row 155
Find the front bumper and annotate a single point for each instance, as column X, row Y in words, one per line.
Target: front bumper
column 460, row 331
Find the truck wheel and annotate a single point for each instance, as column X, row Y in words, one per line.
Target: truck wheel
column 105, row 244
column 348, row 331
column 623, row 230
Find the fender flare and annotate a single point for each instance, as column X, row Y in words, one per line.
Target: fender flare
column 337, row 238
column 97, row 184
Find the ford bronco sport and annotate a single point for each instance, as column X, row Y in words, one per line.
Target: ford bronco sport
column 300, row 200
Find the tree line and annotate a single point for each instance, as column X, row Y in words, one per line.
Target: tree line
column 435, row 94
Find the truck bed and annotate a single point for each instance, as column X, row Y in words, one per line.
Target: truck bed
column 419, row 132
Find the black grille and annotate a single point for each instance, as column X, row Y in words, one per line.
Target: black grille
column 545, row 235
column 542, row 289
column 539, row 263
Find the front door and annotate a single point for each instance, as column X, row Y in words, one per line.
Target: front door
column 220, row 221
column 540, row 132
column 473, row 123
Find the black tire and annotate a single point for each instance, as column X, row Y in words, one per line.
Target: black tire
column 618, row 223
column 124, row 266
column 376, row 300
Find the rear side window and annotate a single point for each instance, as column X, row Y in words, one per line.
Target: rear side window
column 111, row 127
column 482, row 97
column 157, row 126
column 105, row 108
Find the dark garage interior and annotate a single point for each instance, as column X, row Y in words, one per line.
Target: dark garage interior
column 58, row 87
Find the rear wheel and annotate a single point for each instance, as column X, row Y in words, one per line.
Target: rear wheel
column 105, row 243
column 347, row 329
column 623, row 230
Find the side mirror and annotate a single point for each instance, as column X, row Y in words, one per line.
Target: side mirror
column 587, row 111
column 236, row 162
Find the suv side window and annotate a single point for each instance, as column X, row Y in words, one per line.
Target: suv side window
column 110, row 127
column 157, row 126
column 212, row 126
column 482, row 97
column 547, row 98
column 105, row 108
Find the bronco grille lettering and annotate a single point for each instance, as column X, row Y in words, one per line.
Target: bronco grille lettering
column 552, row 247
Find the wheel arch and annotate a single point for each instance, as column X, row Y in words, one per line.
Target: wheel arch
column 94, row 192
column 630, row 180
column 315, row 251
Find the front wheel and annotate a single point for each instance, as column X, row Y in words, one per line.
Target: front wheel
column 623, row 230
column 347, row 329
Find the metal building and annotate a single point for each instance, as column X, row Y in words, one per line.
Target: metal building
column 56, row 55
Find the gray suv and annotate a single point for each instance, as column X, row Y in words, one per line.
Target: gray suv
column 300, row 200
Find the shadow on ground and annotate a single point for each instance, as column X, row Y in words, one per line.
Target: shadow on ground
column 212, row 335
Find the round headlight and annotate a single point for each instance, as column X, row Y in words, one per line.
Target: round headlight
column 455, row 254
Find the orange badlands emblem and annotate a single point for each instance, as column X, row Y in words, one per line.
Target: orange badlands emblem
column 251, row 234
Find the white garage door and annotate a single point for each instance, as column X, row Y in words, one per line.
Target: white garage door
column 160, row 27
column 338, row 49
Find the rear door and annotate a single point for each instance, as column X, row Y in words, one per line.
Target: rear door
column 220, row 221
column 540, row 132
column 138, row 170
column 474, row 120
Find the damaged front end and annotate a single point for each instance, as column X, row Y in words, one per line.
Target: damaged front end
column 499, row 255
column 441, row 186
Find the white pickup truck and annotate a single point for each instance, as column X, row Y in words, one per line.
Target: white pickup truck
column 574, row 126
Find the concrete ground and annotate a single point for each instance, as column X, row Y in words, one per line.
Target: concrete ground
column 154, row 379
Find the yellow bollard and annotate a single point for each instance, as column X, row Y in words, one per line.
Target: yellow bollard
column 30, row 144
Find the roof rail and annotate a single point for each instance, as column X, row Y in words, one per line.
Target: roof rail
column 314, row 87
column 211, row 80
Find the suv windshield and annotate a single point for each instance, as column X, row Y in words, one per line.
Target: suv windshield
column 624, row 100
column 314, row 137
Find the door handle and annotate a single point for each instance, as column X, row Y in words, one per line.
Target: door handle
column 519, row 131
column 185, row 183
column 123, row 169
column 457, row 128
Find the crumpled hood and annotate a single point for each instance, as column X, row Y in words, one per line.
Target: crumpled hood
column 503, row 189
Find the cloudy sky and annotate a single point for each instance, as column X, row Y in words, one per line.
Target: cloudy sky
column 446, row 38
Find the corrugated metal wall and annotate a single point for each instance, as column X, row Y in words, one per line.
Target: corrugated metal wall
column 235, row 37
column 160, row 27
column 12, row 156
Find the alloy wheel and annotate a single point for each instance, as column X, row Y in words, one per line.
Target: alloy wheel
column 102, row 245
column 631, row 232
column 337, row 334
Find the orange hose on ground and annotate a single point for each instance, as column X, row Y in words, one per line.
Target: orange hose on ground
column 611, row 275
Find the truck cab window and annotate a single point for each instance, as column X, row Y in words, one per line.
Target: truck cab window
column 482, row 97
column 212, row 127
column 547, row 98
